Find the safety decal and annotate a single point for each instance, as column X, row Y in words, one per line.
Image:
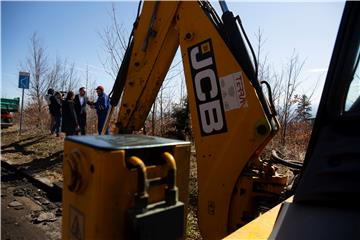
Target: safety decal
column 76, row 224
column 233, row 91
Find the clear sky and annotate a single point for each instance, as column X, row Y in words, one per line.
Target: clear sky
column 70, row 30
column 66, row 29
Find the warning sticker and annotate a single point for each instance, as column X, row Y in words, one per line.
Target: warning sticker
column 233, row 91
column 76, row 224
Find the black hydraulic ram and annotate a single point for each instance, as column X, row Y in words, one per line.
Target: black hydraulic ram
column 233, row 38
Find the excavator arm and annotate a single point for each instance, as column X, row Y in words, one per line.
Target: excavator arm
column 153, row 47
column 231, row 119
column 124, row 186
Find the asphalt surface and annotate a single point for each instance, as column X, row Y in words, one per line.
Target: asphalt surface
column 26, row 211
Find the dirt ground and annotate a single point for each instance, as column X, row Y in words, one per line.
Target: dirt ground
column 35, row 152
column 26, row 213
column 40, row 154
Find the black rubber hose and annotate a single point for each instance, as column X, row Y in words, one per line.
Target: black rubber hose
column 291, row 164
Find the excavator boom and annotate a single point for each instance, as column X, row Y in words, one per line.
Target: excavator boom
column 127, row 186
column 231, row 120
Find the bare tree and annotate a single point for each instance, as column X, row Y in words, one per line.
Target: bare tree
column 161, row 113
column 73, row 80
column 115, row 41
column 38, row 66
column 68, row 79
column 276, row 83
column 54, row 74
column 265, row 70
column 62, row 76
column 87, row 77
column 263, row 66
column 159, row 118
column 284, row 84
column 291, row 82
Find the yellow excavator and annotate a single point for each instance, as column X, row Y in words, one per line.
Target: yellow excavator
column 126, row 186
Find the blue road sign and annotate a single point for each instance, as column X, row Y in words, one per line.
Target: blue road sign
column 24, row 80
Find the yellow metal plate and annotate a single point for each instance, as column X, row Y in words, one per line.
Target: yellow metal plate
column 260, row 228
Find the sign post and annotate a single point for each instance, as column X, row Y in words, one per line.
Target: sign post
column 24, row 82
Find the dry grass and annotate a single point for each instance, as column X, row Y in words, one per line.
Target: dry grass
column 296, row 143
column 192, row 230
column 35, row 151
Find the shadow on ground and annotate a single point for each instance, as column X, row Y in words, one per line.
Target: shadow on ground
column 41, row 164
column 34, row 154
column 21, row 145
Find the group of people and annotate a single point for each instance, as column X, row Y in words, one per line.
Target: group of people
column 69, row 115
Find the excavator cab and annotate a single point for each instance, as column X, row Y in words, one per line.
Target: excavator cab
column 326, row 201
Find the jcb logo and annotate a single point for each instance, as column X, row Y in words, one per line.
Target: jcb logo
column 207, row 89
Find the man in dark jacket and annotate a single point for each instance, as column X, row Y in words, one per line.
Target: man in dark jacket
column 55, row 111
column 101, row 105
column 48, row 96
column 81, row 101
